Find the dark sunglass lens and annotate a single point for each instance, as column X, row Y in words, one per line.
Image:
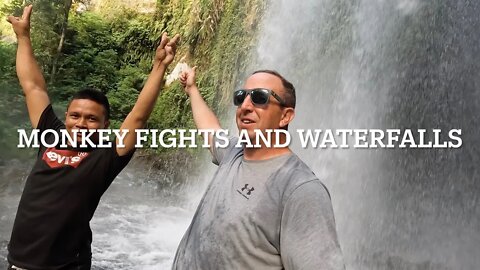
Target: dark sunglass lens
column 239, row 97
column 260, row 97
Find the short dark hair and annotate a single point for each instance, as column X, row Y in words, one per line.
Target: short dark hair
column 94, row 95
column 290, row 96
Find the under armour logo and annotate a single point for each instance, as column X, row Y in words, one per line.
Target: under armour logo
column 248, row 189
column 245, row 191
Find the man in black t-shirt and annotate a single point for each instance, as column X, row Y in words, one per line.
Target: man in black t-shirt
column 51, row 228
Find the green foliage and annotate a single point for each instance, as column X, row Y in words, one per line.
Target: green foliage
column 89, row 55
column 7, row 61
column 128, row 89
column 89, row 31
column 112, row 48
column 6, row 9
column 11, row 7
column 12, row 107
column 137, row 38
column 221, row 46
column 170, row 110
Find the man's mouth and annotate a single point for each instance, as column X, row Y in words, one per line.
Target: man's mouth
column 79, row 132
column 247, row 121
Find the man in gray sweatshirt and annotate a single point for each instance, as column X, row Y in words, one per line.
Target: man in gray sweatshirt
column 264, row 209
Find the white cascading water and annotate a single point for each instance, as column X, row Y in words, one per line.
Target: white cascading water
column 143, row 216
column 376, row 64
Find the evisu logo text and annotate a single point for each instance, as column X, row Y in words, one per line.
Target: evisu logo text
column 59, row 158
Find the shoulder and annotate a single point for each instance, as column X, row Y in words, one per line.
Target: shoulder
column 109, row 154
column 293, row 175
column 49, row 120
column 111, row 162
column 295, row 172
column 228, row 152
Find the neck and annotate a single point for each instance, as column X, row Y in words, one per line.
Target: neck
column 264, row 153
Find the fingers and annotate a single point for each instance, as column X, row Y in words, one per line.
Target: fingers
column 173, row 42
column 183, row 75
column 183, row 83
column 171, row 46
column 166, row 50
column 169, row 49
column 27, row 11
column 10, row 19
column 183, row 79
column 191, row 75
column 164, row 40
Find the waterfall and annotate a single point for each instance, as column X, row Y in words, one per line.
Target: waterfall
column 376, row 64
column 356, row 64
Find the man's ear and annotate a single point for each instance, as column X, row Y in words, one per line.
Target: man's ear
column 107, row 124
column 287, row 116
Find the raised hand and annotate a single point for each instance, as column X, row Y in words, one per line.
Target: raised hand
column 21, row 25
column 166, row 50
column 187, row 79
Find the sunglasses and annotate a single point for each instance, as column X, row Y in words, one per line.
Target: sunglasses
column 259, row 96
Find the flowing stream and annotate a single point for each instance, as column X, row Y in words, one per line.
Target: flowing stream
column 138, row 224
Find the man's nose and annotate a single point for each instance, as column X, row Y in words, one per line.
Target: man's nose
column 81, row 123
column 247, row 104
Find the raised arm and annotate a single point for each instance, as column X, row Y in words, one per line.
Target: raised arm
column 28, row 71
column 203, row 116
column 140, row 113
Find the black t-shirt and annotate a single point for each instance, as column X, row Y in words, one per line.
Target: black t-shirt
column 52, row 229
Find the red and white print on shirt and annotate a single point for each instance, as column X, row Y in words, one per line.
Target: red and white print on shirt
column 56, row 158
